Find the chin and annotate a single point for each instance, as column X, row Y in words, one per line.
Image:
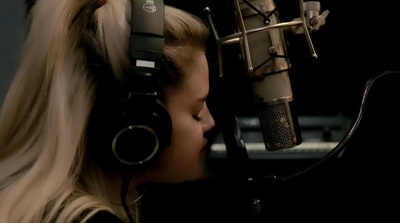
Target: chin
column 190, row 178
column 178, row 174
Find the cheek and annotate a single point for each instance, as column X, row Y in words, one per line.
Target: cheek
column 187, row 135
column 183, row 159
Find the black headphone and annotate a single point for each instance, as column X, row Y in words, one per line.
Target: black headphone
column 144, row 126
column 129, row 122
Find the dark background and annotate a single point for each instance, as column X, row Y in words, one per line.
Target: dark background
column 359, row 40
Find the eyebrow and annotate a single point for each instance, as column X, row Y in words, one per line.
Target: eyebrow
column 203, row 98
column 200, row 101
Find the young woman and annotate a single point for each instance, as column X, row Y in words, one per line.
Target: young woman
column 55, row 120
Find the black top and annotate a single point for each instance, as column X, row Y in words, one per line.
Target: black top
column 104, row 217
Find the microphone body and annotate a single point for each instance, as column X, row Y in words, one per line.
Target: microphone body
column 264, row 53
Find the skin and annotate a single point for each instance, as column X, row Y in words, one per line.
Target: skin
column 183, row 160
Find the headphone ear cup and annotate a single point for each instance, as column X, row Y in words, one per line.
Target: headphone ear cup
column 141, row 138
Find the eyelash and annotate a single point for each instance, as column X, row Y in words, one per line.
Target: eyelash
column 197, row 118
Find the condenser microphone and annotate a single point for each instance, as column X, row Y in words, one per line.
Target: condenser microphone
column 263, row 49
column 264, row 55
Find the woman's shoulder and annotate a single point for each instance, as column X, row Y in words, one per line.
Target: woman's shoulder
column 104, row 217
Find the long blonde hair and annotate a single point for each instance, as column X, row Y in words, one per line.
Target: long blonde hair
column 44, row 176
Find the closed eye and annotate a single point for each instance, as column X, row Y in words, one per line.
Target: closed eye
column 197, row 118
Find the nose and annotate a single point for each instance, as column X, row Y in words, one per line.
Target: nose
column 208, row 120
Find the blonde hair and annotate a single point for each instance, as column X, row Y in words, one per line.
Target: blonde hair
column 45, row 175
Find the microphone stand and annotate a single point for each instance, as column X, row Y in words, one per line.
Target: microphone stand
column 236, row 152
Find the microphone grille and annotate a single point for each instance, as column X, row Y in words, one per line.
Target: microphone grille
column 279, row 130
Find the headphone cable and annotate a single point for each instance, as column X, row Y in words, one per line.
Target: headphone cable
column 126, row 178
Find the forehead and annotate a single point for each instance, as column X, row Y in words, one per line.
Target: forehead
column 197, row 80
column 195, row 83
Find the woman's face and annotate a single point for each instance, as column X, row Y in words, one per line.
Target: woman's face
column 183, row 160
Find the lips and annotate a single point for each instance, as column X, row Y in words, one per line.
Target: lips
column 205, row 141
column 203, row 147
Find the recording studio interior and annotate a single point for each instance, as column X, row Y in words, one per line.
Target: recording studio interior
column 343, row 69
